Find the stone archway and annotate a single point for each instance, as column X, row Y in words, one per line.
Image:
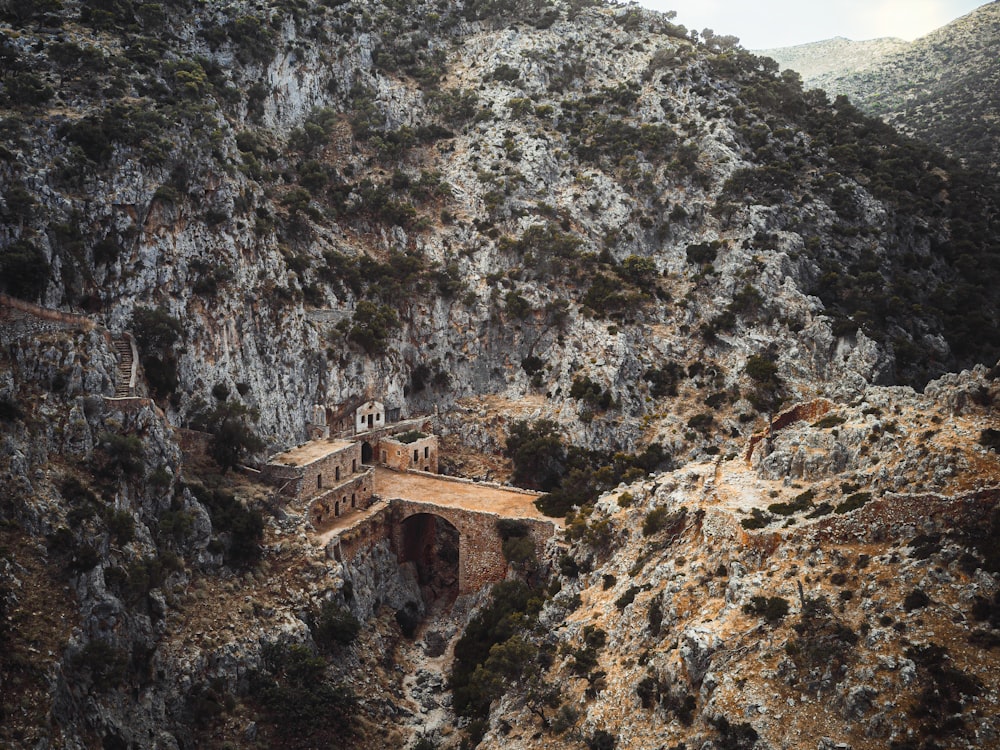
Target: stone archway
column 367, row 453
column 433, row 545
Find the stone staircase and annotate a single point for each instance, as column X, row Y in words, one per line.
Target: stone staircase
column 123, row 380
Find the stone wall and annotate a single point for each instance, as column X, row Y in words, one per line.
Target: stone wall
column 810, row 411
column 288, row 479
column 349, row 497
column 330, row 471
column 361, row 538
column 369, row 416
column 420, row 455
column 481, row 559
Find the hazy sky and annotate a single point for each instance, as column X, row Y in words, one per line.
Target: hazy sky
column 763, row 24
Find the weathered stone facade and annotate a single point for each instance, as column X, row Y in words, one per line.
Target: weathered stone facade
column 354, row 494
column 480, row 560
column 331, row 475
column 480, row 557
column 420, row 454
column 328, row 476
column 369, row 416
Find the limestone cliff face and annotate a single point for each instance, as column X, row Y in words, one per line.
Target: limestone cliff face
column 518, row 167
column 577, row 215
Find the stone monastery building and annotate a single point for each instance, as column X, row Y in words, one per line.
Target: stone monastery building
column 333, row 473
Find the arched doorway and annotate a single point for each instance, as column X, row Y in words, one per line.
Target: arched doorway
column 366, row 452
column 432, row 544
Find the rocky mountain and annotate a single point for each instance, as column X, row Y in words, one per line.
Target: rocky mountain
column 591, row 242
column 822, row 63
column 941, row 88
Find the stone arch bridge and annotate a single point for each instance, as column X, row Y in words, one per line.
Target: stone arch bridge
column 412, row 509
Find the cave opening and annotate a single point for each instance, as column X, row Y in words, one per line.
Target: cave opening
column 431, row 543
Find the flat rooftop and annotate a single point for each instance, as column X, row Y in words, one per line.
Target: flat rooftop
column 309, row 452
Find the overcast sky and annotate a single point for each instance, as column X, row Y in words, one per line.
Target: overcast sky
column 765, row 24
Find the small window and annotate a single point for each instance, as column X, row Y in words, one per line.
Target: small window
column 378, row 417
column 354, row 465
column 354, row 503
column 319, row 481
column 336, row 474
column 416, row 456
column 426, row 451
column 336, row 509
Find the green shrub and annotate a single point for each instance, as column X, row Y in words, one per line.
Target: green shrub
column 372, row 326
column 301, row 707
column 253, row 38
column 537, row 453
column 801, row 502
column 532, row 364
column 24, row 270
column 121, row 526
column 156, row 334
column 475, row 681
column 758, row 520
column 628, row 597
column 124, row 453
column 335, row 626
column 663, row 380
column 591, row 393
column 734, row 736
column 701, row 422
column 853, row 502
column 517, row 306
column 104, row 663
column 233, row 439
column 242, row 526
column 655, row 521
column 704, row 253
column 602, row 740
column 655, row 616
column 990, row 439
column 823, row 509
column 26, row 89
column 916, row 599
column 772, row 608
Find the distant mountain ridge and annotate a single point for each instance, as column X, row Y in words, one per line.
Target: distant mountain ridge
column 943, row 88
column 836, row 57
